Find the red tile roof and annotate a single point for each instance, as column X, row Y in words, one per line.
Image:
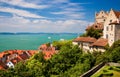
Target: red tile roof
column 24, row 56
column 1, row 67
column 97, row 26
column 15, row 56
column 117, row 13
column 32, row 52
column 15, row 60
column 115, row 22
column 85, row 39
column 48, row 54
column 100, row 42
column 48, row 51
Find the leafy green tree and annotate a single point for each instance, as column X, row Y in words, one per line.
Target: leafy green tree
column 94, row 33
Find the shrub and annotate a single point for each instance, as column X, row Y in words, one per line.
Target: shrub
column 105, row 71
column 107, row 74
column 110, row 68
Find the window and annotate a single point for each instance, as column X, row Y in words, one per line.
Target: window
column 106, row 36
column 107, row 28
column 110, row 20
column 111, row 27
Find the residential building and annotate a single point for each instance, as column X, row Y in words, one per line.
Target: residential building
column 48, row 51
column 9, row 58
column 84, row 42
column 99, row 45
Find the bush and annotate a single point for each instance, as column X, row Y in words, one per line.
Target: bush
column 105, row 71
column 108, row 74
column 116, row 69
column 110, row 68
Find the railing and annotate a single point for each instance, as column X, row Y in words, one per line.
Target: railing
column 93, row 70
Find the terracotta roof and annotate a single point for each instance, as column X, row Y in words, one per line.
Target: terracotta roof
column 48, row 51
column 1, row 67
column 15, row 60
column 48, row 54
column 32, row 52
column 85, row 39
column 15, row 56
column 117, row 13
column 100, row 42
column 98, row 26
column 115, row 22
column 24, row 56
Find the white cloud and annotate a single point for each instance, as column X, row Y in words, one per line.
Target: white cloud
column 25, row 25
column 24, row 4
column 70, row 14
column 19, row 12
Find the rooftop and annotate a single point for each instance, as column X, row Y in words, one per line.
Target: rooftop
column 117, row 13
column 100, row 42
column 97, row 26
column 85, row 39
column 115, row 22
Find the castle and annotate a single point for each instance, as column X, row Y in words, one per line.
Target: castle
column 109, row 23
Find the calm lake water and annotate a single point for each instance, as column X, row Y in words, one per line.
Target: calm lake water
column 30, row 41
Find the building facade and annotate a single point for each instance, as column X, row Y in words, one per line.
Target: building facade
column 109, row 23
column 101, row 17
column 111, row 29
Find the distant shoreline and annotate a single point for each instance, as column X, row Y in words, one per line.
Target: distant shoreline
column 24, row 33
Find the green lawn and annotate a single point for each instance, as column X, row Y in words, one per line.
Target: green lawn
column 108, row 71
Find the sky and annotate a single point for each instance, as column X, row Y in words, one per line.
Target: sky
column 51, row 16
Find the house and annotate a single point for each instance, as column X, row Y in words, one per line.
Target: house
column 99, row 45
column 9, row 58
column 112, row 27
column 48, row 51
column 2, row 65
column 10, row 64
column 84, row 42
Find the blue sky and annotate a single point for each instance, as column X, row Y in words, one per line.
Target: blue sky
column 51, row 15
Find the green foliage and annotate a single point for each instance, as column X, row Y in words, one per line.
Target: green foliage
column 115, row 55
column 115, row 45
column 70, row 61
column 59, row 44
column 48, row 44
column 93, row 33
